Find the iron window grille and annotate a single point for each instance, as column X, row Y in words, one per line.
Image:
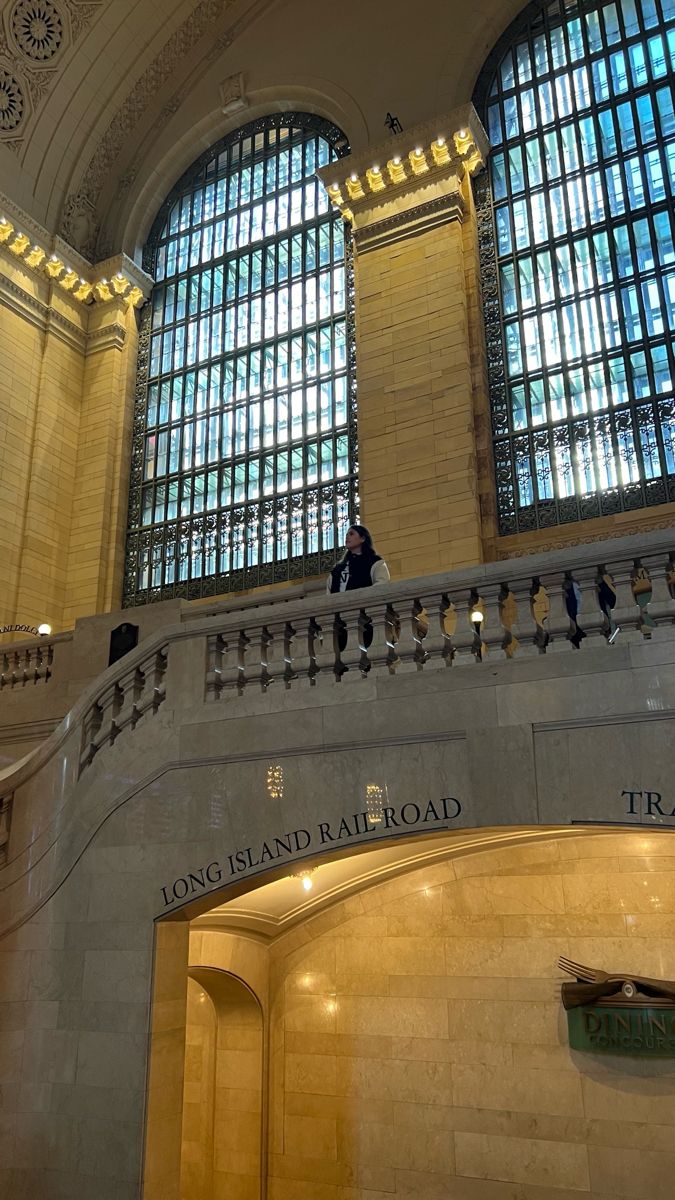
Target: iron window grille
column 244, row 460
column 576, row 234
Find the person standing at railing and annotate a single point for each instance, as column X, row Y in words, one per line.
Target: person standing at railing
column 360, row 566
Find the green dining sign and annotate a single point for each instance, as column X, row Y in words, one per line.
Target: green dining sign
column 606, row 1029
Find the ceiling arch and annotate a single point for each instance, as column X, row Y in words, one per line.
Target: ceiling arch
column 103, row 103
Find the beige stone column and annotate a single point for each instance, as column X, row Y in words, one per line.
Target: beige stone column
column 419, row 345
column 69, row 340
column 101, row 484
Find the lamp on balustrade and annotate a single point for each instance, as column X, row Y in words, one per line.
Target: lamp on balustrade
column 476, row 608
column 44, row 630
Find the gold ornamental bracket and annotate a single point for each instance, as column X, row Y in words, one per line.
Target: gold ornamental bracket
column 410, row 183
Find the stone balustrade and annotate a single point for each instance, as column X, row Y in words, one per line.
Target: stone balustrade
column 564, row 601
column 123, row 702
column 26, row 665
column 506, row 609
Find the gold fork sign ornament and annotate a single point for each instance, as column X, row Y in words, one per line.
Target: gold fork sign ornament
column 618, row 1012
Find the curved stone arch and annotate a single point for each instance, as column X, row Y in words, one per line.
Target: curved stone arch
column 126, row 226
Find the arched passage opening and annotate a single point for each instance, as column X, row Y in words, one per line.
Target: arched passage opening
column 413, row 1017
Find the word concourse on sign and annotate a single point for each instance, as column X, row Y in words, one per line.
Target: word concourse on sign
column 297, row 842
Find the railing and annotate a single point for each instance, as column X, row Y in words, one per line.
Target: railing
column 568, row 600
column 27, row 665
column 123, row 702
column 586, row 601
column 502, row 609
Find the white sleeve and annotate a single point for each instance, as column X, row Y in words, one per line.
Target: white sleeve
column 379, row 572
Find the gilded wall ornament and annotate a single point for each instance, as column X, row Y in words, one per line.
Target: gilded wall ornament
column 38, row 29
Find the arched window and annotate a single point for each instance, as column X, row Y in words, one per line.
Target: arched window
column 243, row 461
column 576, row 229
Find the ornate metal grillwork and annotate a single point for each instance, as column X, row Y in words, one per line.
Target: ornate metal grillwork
column 244, row 467
column 577, row 234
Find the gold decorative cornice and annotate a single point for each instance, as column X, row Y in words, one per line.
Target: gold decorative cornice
column 49, row 256
column 410, row 182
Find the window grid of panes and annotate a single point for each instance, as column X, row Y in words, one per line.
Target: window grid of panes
column 579, row 107
column 244, row 463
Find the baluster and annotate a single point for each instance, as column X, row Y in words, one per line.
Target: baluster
column 539, row 609
column 670, row 576
column 663, row 595
column 129, row 692
column 217, row 652
column 323, row 646
column 244, row 661
column 420, row 632
column 264, row 640
column 641, row 587
column 508, row 615
column 606, row 593
column 572, row 600
column 432, row 612
column 229, row 661
column 298, row 657
column 477, row 620
column 448, row 629
column 384, row 625
column 91, row 727
column 148, row 687
column 274, row 648
column 352, row 655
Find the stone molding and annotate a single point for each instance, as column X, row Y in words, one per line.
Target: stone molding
column 40, row 315
column 49, row 321
column 418, row 219
column 410, row 183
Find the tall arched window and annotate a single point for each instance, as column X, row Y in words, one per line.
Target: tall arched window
column 243, row 462
column 577, row 229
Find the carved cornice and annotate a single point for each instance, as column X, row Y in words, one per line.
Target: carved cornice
column 49, row 256
column 417, row 219
column 39, row 315
column 50, row 321
column 410, row 183
column 111, row 337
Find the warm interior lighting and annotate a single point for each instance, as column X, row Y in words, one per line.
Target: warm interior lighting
column 477, row 614
column 375, row 796
column 307, row 883
column 44, row 630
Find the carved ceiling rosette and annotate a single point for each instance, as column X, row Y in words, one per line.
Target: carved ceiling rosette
column 15, row 102
column 38, row 29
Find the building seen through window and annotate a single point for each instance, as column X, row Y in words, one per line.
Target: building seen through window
column 576, row 223
column 243, row 468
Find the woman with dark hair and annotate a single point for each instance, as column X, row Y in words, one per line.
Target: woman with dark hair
column 360, row 566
